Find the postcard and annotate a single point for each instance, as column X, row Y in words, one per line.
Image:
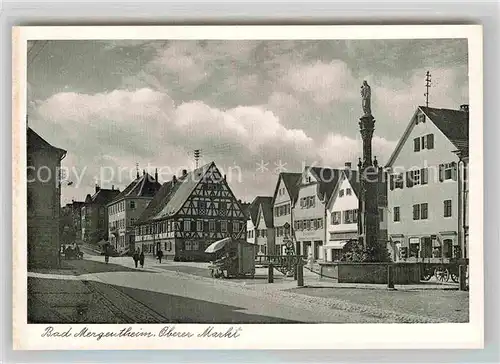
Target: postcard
column 247, row 187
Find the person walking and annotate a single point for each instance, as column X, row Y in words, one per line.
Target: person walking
column 106, row 253
column 159, row 254
column 136, row 257
column 141, row 259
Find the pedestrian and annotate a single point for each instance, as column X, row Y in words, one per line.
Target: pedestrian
column 136, row 257
column 141, row 259
column 159, row 255
column 106, row 254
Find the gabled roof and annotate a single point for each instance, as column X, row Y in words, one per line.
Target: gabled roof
column 144, row 186
column 102, row 196
column 255, row 206
column 36, row 142
column 265, row 207
column 291, row 181
column 454, row 124
column 172, row 196
column 326, row 178
column 354, row 180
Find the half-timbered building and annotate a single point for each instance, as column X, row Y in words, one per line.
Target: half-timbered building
column 188, row 214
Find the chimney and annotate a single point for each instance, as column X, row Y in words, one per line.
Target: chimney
column 174, row 179
column 347, row 165
column 464, row 107
column 184, row 172
column 143, row 172
column 224, row 177
column 156, row 174
column 112, row 187
column 97, row 188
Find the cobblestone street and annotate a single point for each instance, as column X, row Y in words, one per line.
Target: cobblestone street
column 184, row 292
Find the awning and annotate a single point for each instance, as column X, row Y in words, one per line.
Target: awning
column 218, row 245
column 336, row 244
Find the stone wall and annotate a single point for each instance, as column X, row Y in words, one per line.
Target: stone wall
column 375, row 273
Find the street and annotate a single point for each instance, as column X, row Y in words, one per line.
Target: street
column 91, row 291
column 168, row 297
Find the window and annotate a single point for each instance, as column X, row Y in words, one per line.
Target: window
column 223, row 226
column 381, row 215
column 421, row 118
column 187, row 225
column 430, row 141
column 350, row 216
column 199, row 225
column 448, row 171
column 397, row 216
column 132, row 221
column 132, row 204
column 202, row 207
column 187, row 245
column 348, row 192
column 415, row 177
column 308, row 224
column 211, row 226
column 416, row 144
column 416, row 212
column 336, row 218
column 396, row 181
column 236, row 226
column 195, row 245
column 420, row 211
column 341, row 193
column 222, row 207
column 447, row 208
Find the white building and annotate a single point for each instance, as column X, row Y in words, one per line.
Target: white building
column 342, row 214
column 309, row 212
column 285, row 196
column 423, row 189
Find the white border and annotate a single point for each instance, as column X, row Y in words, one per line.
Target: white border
column 315, row 336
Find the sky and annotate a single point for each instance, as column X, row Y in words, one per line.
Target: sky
column 256, row 108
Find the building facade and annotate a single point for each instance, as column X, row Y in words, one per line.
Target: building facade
column 342, row 214
column 43, row 201
column 315, row 187
column 126, row 209
column 264, row 226
column 71, row 223
column 423, row 189
column 285, row 196
column 188, row 214
column 95, row 215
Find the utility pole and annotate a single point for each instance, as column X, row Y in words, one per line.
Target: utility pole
column 427, row 86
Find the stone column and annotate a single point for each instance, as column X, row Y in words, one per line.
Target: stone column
column 368, row 224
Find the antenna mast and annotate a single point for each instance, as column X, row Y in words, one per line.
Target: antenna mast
column 427, row 86
column 197, row 153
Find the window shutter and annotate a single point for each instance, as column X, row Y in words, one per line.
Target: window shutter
column 454, row 171
column 391, row 182
column 409, row 179
column 423, row 176
column 430, row 141
column 441, row 172
column 416, row 144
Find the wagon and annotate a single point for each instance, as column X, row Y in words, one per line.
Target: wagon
column 442, row 268
column 232, row 258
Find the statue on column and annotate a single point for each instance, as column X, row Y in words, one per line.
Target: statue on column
column 366, row 96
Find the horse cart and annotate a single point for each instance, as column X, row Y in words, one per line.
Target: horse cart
column 232, row 258
column 443, row 269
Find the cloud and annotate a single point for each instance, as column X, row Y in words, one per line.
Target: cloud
column 118, row 129
column 325, row 82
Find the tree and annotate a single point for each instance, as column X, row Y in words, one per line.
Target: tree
column 357, row 253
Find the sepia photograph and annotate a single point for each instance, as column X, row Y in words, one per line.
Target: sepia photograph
column 228, row 182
